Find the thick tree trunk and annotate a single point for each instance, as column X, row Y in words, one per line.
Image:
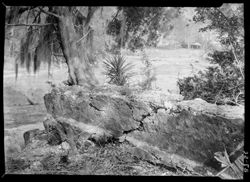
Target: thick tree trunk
column 122, row 30
column 76, row 53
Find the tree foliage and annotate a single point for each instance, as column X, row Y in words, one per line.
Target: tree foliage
column 166, row 23
column 228, row 21
column 224, row 82
column 136, row 26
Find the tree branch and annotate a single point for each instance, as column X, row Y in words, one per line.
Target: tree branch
column 37, row 16
column 4, row 5
column 83, row 36
column 22, row 10
column 33, row 24
column 27, row 18
column 91, row 11
column 231, row 42
column 116, row 14
column 237, row 60
column 49, row 13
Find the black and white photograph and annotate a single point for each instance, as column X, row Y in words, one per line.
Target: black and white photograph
column 124, row 91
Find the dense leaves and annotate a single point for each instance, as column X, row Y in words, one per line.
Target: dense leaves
column 213, row 86
column 228, row 21
column 140, row 27
column 224, row 82
column 221, row 84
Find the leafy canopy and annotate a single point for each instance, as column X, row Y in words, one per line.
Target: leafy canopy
column 222, row 83
column 136, row 27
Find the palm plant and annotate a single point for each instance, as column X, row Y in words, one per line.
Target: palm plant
column 117, row 70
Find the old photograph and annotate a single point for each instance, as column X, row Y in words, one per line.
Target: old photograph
column 124, row 91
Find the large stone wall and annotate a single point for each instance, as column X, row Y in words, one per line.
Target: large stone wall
column 171, row 130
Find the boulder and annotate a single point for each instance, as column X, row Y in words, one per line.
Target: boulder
column 178, row 132
column 111, row 113
column 35, row 134
column 193, row 137
column 13, row 137
column 235, row 113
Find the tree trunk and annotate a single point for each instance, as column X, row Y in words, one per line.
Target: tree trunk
column 122, row 30
column 76, row 51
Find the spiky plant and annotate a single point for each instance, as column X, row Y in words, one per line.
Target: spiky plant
column 117, row 70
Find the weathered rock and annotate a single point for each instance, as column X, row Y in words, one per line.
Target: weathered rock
column 88, row 144
column 193, row 137
column 235, row 113
column 173, row 130
column 35, row 134
column 55, row 132
column 113, row 114
column 65, row 146
column 142, row 154
column 60, row 130
column 39, row 150
column 13, row 138
column 36, row 166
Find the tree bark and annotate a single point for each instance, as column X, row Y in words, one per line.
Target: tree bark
column 76, row 53
column 122, row 30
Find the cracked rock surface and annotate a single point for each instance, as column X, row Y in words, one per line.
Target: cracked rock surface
column 169, row 129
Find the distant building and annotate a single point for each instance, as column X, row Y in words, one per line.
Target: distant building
column 195, row 45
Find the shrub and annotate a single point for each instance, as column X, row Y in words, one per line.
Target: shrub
column 148, row 72
column 221, row 84
column 224, row 83
column 117, row 70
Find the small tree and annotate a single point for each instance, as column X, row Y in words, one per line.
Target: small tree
column 224, row 83
column 148, row 72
